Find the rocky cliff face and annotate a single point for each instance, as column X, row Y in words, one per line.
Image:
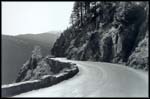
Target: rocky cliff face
column 116, row 32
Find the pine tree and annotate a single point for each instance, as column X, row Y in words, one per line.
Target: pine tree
column 36, row 53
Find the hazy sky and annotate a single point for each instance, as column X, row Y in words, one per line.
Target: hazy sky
column 35, row 17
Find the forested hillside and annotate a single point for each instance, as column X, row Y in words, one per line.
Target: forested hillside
column 115, row 32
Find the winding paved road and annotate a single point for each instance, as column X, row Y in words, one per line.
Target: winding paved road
column 97, row 79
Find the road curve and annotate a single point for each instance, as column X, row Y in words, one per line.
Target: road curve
column 97, row 79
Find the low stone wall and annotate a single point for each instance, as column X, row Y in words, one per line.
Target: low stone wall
column 45, row 81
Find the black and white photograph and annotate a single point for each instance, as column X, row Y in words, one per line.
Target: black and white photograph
column 75, row 49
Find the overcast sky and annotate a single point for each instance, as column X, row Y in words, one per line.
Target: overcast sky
column 35, row 17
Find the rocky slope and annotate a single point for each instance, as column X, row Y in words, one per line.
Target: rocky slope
column 114, row 32
column 38, row 66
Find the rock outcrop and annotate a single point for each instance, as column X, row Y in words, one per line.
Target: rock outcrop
column 116, row 32
column 37, row 67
